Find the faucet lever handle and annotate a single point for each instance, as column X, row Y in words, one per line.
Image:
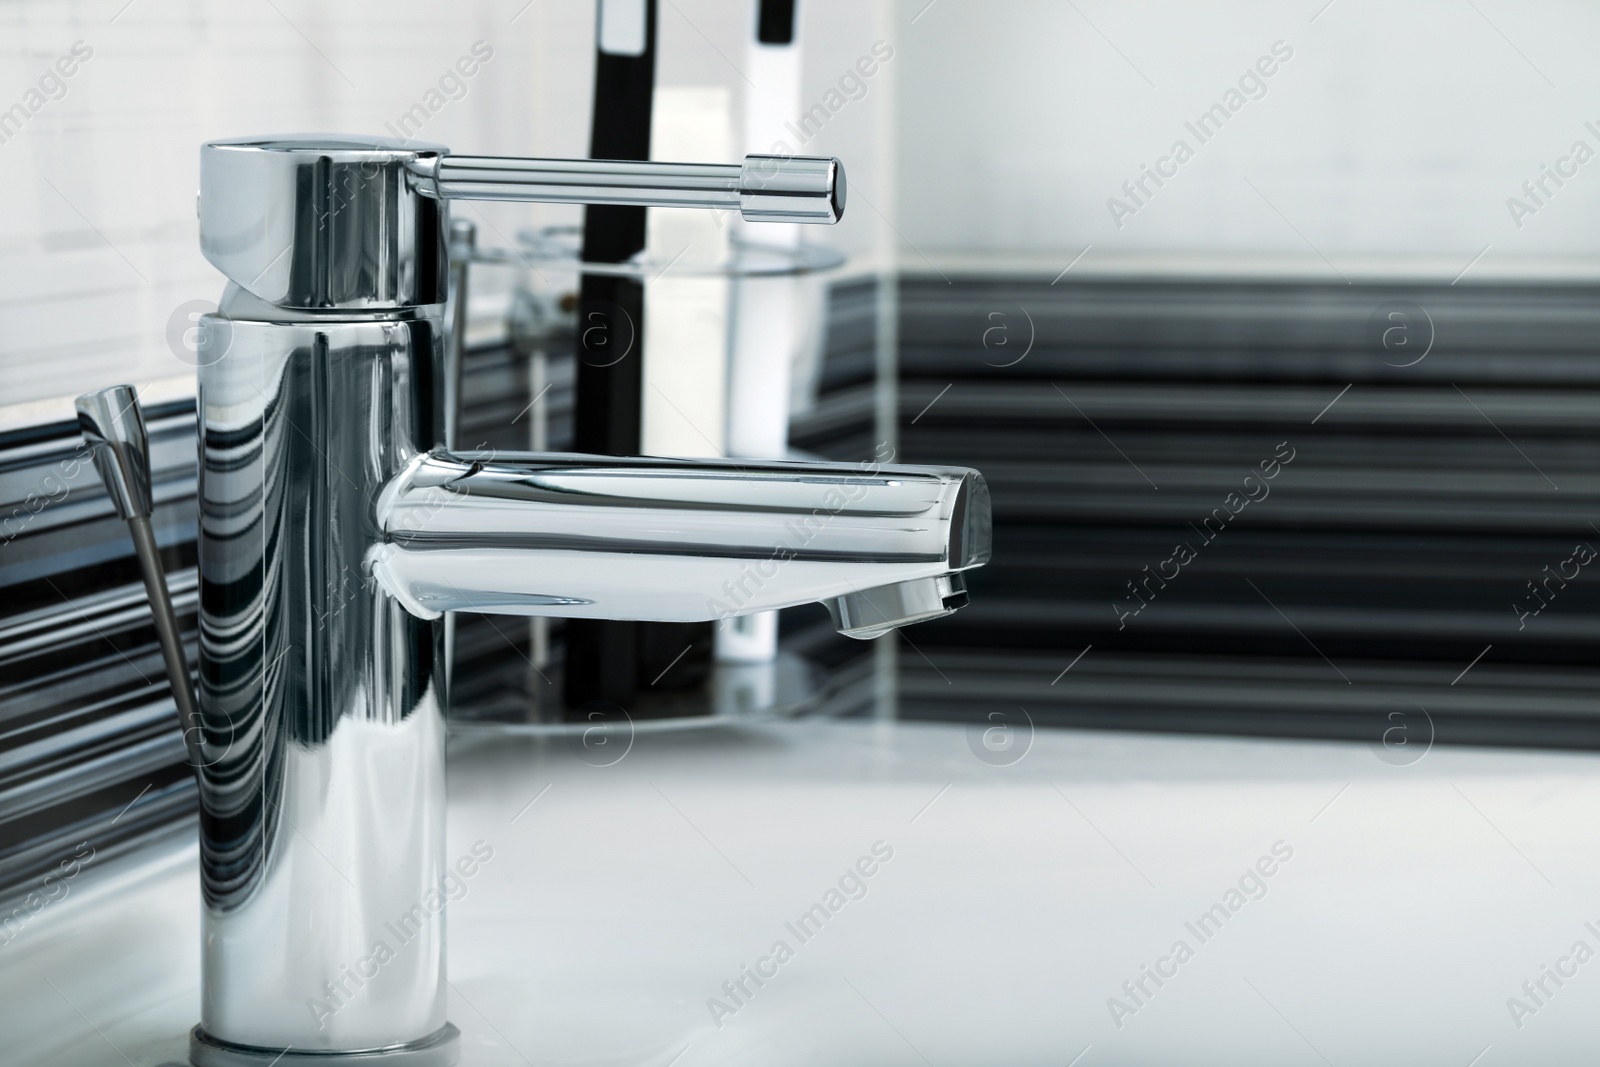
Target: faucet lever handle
column 764, row 188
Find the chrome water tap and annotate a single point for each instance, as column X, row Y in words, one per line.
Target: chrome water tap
column 335, row 529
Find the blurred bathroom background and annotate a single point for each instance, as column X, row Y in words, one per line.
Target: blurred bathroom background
column 1284, row 427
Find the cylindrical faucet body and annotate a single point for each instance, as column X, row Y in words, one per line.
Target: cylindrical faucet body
column 322, row 789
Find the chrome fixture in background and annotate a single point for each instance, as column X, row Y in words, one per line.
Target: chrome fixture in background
column 113, row 426
column 335, row 529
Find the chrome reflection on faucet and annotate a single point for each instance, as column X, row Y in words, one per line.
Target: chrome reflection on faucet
column 335, row 529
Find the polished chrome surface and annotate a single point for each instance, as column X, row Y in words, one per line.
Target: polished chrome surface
column 113, row 426
column 327, row 221
column 763, row 188
column 438, row 1049
column 663, row 539
column 322, row 792
column 336, row 528
column 581, row 181
column 323, row 221
column 870, row 613
column 791, row 189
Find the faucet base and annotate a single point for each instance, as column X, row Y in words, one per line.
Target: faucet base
column 439, row 1049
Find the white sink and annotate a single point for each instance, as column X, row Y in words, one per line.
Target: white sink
column 1017, row 901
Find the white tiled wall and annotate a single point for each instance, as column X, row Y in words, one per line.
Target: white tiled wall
column 98, row 238
column 98, row 242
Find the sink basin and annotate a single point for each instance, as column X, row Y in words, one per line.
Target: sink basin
column 936, row 908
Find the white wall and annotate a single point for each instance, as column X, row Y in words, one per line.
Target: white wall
column 1391, row 140
column 98, row 242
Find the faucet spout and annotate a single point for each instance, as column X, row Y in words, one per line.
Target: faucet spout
column 676, row 540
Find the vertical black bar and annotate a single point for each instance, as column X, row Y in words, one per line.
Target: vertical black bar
column 601, row 656
column 775, row 21
column 611, row 310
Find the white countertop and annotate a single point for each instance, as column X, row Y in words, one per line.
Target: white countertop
column 1017, row 901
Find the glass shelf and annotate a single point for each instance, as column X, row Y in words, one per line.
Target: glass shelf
column 558, row 247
